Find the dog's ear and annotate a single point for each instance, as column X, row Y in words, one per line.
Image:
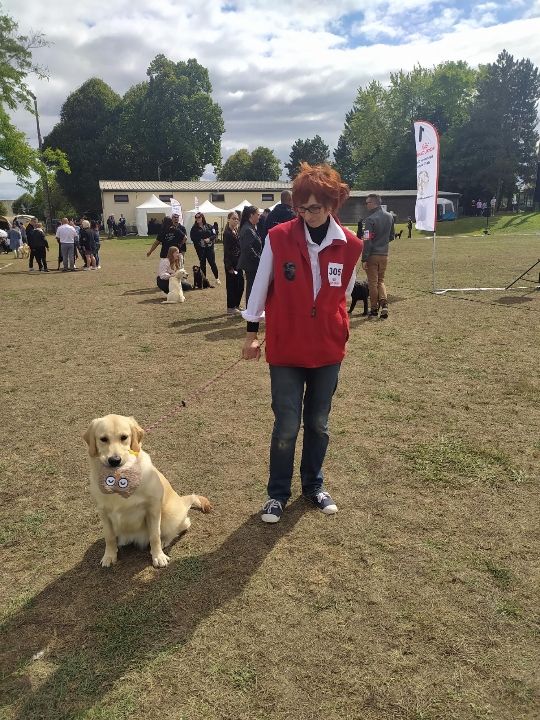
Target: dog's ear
column 90, row 439
column 137, row 434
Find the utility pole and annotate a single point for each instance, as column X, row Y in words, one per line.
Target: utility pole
column 49, row 220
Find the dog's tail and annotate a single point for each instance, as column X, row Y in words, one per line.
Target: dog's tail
column 201, row 503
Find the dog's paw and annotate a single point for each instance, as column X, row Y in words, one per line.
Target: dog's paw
column 182, row 299
column 108, row 559
column 160, row 560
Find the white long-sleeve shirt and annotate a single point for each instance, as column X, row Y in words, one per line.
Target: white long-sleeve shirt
column 265, row 273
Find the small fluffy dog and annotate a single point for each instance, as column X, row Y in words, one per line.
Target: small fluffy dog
column 398, row 235
column 24, row 251
column 200, row 281
column 360, row 292
column 135, row 502
column 176, row 294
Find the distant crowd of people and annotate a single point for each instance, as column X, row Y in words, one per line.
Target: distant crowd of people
column 481, row 208
column 116, row 228
column 76, row 239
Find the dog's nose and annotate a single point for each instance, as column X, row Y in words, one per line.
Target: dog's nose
column 114, row 460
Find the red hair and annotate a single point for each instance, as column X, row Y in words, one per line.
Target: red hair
column 323, row 182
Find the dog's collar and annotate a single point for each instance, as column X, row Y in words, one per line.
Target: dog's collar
column 123, row 480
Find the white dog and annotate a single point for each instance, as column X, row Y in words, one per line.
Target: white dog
column 176, row 294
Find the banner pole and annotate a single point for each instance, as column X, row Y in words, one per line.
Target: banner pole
column 433, row 255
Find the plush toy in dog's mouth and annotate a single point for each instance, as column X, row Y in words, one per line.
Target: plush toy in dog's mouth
column 123, row 480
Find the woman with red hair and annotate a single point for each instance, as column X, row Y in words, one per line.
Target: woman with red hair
column 307, row 268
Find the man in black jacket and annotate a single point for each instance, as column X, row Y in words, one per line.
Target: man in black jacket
column 30, row 241
column 283, row 211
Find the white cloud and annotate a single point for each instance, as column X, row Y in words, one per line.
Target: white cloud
column 280, row 71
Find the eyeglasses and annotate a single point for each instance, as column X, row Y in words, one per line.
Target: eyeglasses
column 312, row 209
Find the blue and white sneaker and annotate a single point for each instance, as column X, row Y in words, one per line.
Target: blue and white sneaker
column 272, row 510
column 324, row 502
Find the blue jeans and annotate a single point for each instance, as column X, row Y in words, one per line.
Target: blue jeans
column 288, row 398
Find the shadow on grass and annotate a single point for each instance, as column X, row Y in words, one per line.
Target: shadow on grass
column 103, row 623
column 142, row 291
column 513, row 300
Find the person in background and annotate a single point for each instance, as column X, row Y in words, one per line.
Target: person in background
column 493, row 205
column 409, row 227
column 360, row 229
column 283, row 212
column 250, row 246
column 262, row 232
column 87, row 244
column 110, row 226
column 66, row 236
column 171, row 235
column 122, row 230
column 30, row 241
column 183, row 234
column 203, row 237
column 15, row 239
column 234, row 278
column 216, row 231
column 168, row 266
column 40, row 247
column 307, row 269
column 94, row 229
column 378, row 232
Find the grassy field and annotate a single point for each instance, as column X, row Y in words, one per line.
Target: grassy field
column 521, row 224
column 417, row 601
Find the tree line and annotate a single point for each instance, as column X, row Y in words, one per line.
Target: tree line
column 168, row 126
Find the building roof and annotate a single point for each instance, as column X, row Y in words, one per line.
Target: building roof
column 398, row 193
column 161, row 186
column 193, row 185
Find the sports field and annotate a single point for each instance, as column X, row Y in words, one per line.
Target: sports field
column 417, row 601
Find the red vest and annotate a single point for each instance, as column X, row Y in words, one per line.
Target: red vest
column 300, row 331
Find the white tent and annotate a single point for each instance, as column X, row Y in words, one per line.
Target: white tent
column 152, row 205
column 241, row 206
column 206, row 208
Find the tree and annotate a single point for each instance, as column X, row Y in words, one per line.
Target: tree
column 236, row 167
column 87, row 118
column 261, row 164
column 3, row 208
column 496, row 147
column 169, row 120
column 376, row 148
column 24, row 204
column 343, row 154
column 171, row 116
column 313, row 151
column 15, row 64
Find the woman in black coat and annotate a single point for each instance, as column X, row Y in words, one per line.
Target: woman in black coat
column 234, row 278
column 250, row 246
column 203, row 237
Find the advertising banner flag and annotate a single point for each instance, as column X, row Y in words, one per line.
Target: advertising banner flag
column 176, row 209
column 196, row 203
column 427, row 174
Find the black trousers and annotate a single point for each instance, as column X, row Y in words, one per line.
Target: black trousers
column 250, row 277
column 234, row 285
column 204, row 253
column 41, row 256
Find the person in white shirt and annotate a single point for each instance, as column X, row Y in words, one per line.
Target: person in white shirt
column 66, row 235
column 169, row 266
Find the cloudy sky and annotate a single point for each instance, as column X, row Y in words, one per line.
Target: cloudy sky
column 280, row 70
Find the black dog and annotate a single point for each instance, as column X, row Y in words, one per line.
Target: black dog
column 360, row 292
column 398, row 235
column 200, row 280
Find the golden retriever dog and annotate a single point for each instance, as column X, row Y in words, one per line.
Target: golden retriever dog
column 24, row 251
column 176, row 294
column 135, row 502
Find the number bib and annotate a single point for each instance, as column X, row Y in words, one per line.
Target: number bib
column 335, row 271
